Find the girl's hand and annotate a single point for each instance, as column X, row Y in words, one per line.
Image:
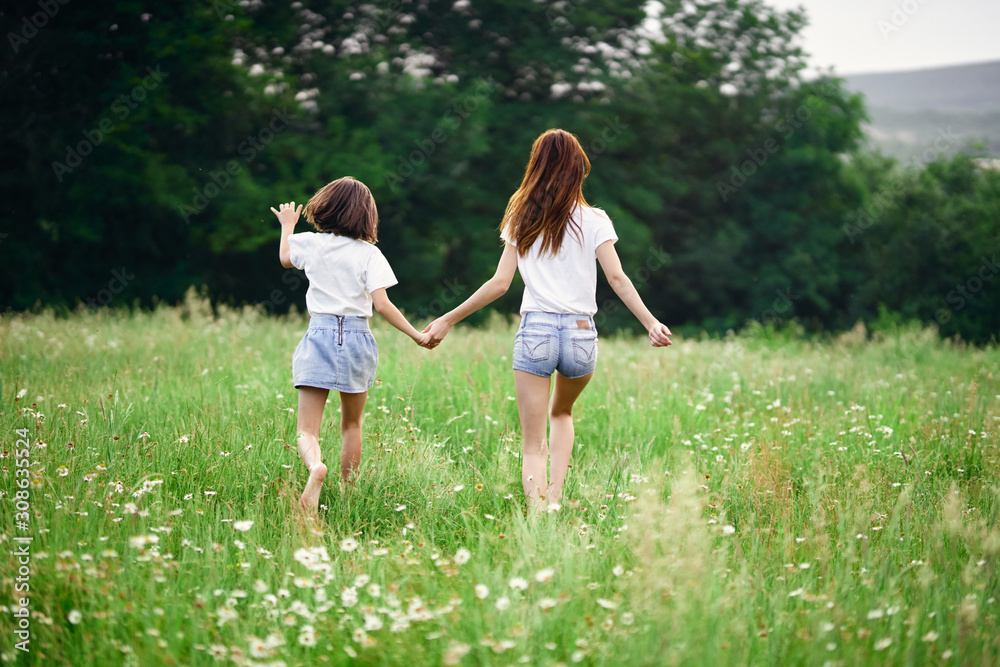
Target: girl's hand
column 421, row 340
column 288, row 214
column 436, row 331
column 659, row 335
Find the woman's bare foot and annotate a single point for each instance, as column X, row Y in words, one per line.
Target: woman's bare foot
column 309, row 502
column 553, row 500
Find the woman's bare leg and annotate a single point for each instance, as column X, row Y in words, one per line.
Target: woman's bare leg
column 352, row 411
column 532, row 401
column 561, row 431
column 312, row 400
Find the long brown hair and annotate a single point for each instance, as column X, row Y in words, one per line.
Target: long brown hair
column 552, row 188
column 344, row 207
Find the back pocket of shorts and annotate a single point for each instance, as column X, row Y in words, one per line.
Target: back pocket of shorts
column 534, row 347
column 585, row 350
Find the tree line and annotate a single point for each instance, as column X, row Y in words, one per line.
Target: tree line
column 148, row 141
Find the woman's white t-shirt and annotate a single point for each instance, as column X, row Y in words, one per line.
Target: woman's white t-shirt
column 567, row 281
column 342, row 272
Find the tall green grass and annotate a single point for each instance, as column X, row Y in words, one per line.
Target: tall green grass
column 737, row 501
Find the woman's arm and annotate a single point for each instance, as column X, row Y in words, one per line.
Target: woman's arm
column 659, row 334
column 287, row 216
column 386, row 309
column 491, row 290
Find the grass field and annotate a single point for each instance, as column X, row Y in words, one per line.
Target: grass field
column 743, row 501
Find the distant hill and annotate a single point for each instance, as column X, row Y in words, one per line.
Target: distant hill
column 958, row 88
column 909, row 108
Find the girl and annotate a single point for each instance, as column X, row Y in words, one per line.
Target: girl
column 347, row 274
column 552, row 236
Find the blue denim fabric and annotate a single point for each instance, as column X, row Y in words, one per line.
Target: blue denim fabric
column 338, row 352
column 548, row 342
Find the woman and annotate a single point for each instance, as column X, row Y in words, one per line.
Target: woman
column 552, row 237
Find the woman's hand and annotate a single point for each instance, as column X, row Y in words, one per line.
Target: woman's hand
column 288, row 214
column 421, row 340
column 659, row 335
column 436, row 331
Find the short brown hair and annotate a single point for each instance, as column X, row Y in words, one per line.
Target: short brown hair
column 344, row 207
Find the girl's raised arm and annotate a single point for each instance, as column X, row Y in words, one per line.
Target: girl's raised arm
column 288, row 215
column 659, row 334
column 491, row 290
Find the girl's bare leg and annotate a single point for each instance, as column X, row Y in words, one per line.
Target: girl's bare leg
column 561, row 430
column 532, row 399
column 352, row 411
column 310, row 419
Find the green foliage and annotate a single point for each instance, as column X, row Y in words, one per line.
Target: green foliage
column 929, row 250
column 115, row 119
column 729, row 177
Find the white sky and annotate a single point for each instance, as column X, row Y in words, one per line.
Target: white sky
column 845, row 34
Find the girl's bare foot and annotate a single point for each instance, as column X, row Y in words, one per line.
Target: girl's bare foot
column 309, row 502
column 536, row 506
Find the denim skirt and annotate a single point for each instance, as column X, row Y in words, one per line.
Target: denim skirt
column 337, row 352
column 547, row 342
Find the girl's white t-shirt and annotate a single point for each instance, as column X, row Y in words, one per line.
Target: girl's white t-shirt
column 567, row 281
column 342, row 272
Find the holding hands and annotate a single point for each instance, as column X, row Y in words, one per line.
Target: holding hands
column 435, row 333
column 421, row 339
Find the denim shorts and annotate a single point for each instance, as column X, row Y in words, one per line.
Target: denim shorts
column 548, row 342
column 338, row 352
